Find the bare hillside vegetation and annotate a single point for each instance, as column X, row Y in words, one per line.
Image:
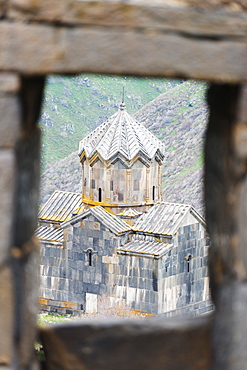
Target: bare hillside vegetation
column 178, row 117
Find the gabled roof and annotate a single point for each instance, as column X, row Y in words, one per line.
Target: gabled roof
column 59, row 206
column 129, row 213
column 48, row 234
column 123, row 137
column 112, row 222
column 145, row 248
column 165, row 218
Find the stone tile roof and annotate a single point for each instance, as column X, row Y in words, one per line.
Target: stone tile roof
column 165, row 218
column 145, row 248
column 129, row 212
column 50, row 234
column 112, row 222
column 122, row 136
column 60, row 205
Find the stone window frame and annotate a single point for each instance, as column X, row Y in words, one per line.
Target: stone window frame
column 89, row 252
column 186, row 42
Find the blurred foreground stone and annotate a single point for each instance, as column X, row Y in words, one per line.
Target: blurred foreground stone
column 156, row 344
column 185, row 39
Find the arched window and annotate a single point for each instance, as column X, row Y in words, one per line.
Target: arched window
column 89, row 256
column 153, row 192
column 188, row 259
column 100, row 195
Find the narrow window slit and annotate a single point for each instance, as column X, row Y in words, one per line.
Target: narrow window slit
column 100, row 195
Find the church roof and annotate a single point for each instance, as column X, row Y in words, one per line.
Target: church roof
column 122, row 136
column 165, row 218
column 50, row 234
column 60, row 205
column 112, row 222
column 129, row 213
column 145, row 248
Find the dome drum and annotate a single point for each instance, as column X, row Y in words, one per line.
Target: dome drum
column 121, row 164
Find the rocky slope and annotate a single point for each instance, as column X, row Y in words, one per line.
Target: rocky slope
column 74, row 106
column 178, row 117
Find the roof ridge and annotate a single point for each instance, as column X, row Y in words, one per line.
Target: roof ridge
column 122, row 134
column 165, row 218
column 64, row 191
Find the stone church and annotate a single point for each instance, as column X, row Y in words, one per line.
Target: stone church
column 118, row 239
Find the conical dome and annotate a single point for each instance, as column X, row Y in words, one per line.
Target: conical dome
column 122, row 136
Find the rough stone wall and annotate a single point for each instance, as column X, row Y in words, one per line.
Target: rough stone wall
column 94, row 177
column 155, row 177
column 192, row 310
column 66, row 273
column 127, row 281
column 173, row 283
column 54, row 273
column 135, row 283
column 146, row 178
column 183, row 274
column 85, row 180
column 20, row 99
column 119, row 183
column 9, row 132
column 42, row 37
column 122, row 185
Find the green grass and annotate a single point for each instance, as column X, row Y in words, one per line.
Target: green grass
column 46, row 319
column 74, row 106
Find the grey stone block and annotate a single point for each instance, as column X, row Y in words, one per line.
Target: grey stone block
column 133, row 282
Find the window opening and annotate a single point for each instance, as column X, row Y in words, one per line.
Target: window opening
column 90, row 258
column 153, row 192
column 111, row 185
column 100, row 195
column 188, row 259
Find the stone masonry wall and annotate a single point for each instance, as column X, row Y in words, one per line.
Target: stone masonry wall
column 42, row 37
column 54, row 273
column 173, row 283
column 66, row 273
column 135, row 283
column 183, row 274
column 192, row 310
column 122, row 185
column 20, row 100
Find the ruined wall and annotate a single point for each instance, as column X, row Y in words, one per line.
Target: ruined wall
column 38, row 38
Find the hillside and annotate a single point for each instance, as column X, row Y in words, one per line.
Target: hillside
column 74, row 106
column 178, row 117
